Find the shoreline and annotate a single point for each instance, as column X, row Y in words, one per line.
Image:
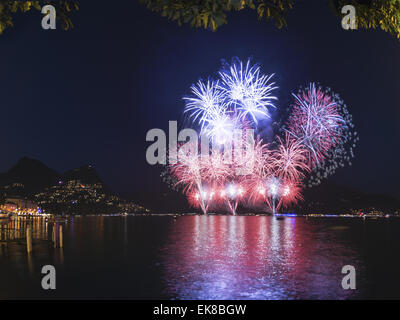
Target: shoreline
column 291, row 215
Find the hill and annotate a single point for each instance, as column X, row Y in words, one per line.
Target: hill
column 77, row 191
column 27, row 177
column 331, row 198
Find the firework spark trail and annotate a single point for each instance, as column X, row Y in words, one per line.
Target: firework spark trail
column 290, row 194
column 206, row 103
column 320, row 120
column 247, row 91
column 276, row 178
column 220, row 107
column 316, row 122
column 208, row 108
column 187, row 171
column 290, row 159
column 215, row 169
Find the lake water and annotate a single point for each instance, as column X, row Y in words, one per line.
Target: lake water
column 205, row 257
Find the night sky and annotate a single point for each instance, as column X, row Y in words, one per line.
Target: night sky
column 89, row 95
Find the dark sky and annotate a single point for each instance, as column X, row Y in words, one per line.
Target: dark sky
column 89, row 95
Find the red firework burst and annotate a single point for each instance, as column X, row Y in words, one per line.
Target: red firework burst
column 316, row 122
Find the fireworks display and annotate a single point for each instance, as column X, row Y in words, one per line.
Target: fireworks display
column 318, row 137
column 321, row 122
column 237, row 100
